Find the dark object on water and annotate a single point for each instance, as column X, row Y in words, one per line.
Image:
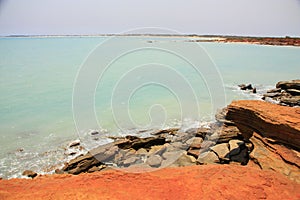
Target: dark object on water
column 246, row 87
column 94, row 132
column 254, row 90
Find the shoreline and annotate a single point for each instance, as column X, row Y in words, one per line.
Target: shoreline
column 273, row 41
column 254, row 144
column 263, row 177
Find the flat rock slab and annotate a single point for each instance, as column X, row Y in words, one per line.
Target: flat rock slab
column 216, row 181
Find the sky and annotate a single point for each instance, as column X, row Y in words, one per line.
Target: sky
column 216, row 17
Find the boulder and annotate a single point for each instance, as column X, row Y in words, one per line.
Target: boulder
column 29, row 173
column 74, row 143
column 196, row 143
column 246, row 87
column 184, row 160
column 136, row 143
column 147, row 143
column 225, row 133
column 293, row 84
column 221, row 150
column 193, row 152
column 154, row 161
column 94, row 132
column 291, row 101
column 129, row 161
column 275, row 90
column 242, row 157
column 81, row 164
column 208, row 158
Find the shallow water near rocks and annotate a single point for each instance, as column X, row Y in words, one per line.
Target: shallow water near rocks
column 37, row 76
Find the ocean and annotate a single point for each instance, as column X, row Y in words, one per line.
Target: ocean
column 55, row 90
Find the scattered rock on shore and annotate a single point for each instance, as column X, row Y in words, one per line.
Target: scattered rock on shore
column 29, row 173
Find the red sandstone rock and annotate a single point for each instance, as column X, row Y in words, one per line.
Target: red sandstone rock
column 274, row 131
column 196, row 182
column 270, row 120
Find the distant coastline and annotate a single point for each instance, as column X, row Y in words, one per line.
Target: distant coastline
column 277, row 41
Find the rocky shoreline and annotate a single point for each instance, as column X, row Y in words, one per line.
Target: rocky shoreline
column 251, row 134
column 275, row 41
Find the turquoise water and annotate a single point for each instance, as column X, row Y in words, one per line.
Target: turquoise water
column 38, row 75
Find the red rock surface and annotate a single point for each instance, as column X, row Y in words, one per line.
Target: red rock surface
column 281, row 123
column 196, row 182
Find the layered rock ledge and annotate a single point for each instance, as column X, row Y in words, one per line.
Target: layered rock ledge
column 274, row 132
column 194, row 182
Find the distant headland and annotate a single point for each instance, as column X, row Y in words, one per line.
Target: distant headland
column 280, row 41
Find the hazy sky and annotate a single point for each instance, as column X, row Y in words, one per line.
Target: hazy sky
column 230, row 17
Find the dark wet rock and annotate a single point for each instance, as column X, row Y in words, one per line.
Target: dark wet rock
column 29, row 173
column 81, row 164
column 74, row 143
column 208, row 158
column 137, row 143
column 275, row 90
column 242, row 157
column 292, row 101
column 271, row 95
column 166, row 131
column 235, row 146
column 94, row 132
column 286, row 93
column 193, row 152
column 293, row 92
column 246, row 87
column 254, row 91
column 154, row 161
column 147, row 143
column 293, row 84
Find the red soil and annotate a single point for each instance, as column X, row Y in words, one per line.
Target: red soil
column 196, row 182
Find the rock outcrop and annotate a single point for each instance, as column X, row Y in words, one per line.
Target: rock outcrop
column 247, row 132
column 274, row 134
column 286, row 93
column 29, row 173
column 194, row 182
